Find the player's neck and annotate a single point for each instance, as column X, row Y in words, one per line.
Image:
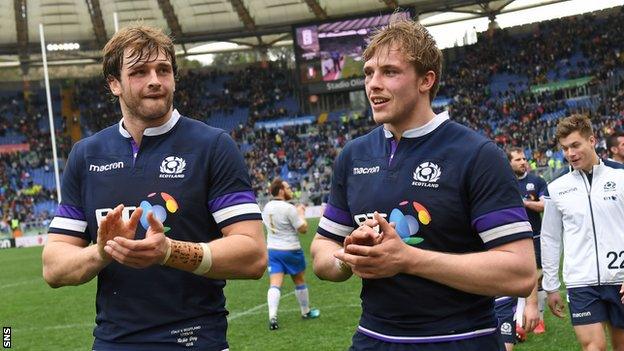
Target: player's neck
column 136, row 126
column 590, row 168
column 420, row 117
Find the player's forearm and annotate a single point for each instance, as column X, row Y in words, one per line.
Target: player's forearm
column 65, row 264
column 491, row 273
column 304, row 227
column 235, row 256
column 532, row 298
column 238, row 257
column 537, row 206
column 325, row 265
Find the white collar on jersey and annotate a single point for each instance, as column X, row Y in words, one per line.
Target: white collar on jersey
column 523, row 176
column 175, row 116
column 424, row 130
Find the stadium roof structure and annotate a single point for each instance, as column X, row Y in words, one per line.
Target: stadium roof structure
column 255, row 23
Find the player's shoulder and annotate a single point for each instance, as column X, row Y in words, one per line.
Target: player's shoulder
column 561, row 181
column 369, row 145
column 372, row 139
column 462, row 135
column 104, row 139
column 613, row 164
column 198, row 131
column 535, row 178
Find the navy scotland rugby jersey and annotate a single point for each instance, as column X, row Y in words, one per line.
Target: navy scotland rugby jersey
column 533, row 187
column 448, row 189
column 195, row 181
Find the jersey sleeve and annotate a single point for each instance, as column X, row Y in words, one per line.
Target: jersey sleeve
column 541, row 187
column 550, row 242
column 337, row 222
column 496, row 208
column 230, row 196
column 294, row 219
column 69, row 218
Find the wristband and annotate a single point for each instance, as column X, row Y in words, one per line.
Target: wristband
column 206, row 262
column 168, row 254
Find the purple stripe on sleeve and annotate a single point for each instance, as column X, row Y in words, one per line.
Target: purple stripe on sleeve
column 68, row 211
column 241, row 197
column 337, row 215
column 498, row 218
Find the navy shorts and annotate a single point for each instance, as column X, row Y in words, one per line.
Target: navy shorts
column 286, row 261
column 490, row 342
column 595, row 304
column 505, row 309
column 538, row 251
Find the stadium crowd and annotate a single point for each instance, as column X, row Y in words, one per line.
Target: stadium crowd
column 19, row 193
column 512, row 115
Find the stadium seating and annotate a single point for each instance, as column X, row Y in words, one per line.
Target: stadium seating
column 490, row 86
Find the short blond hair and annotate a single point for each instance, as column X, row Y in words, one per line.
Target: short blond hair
column 414, row 42
column 574, row 123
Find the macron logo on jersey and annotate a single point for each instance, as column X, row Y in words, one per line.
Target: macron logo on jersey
column 365, row 170
column 567, row 191
column 108, row 167
column 172, row 167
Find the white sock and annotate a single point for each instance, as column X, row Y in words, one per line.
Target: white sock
column 273, row 299
column 301, row 291
column 520, row 311
column 541, row 302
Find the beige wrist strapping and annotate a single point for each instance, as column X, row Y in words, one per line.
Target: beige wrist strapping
column 206, row 262
column 168, row 254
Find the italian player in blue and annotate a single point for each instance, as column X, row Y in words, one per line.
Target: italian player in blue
column 159, row 207
column 427, row 212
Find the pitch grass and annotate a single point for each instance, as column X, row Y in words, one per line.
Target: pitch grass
column 62, row 319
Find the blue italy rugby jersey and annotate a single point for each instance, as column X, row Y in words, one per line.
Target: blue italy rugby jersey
column 532, row 187
column 194, row 179
column 448, row 189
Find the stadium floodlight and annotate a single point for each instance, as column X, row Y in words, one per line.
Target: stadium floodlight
column 63, row 47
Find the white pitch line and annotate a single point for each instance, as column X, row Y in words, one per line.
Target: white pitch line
column 23, row 282
column 255, row 310
column 56, row 327
column 231, row 317
column 236, row 315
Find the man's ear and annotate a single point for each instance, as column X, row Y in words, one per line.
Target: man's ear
column 426, row 82
column 114, row 85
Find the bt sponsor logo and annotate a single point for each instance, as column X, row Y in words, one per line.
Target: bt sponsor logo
column 407, row 225
column 161, row 206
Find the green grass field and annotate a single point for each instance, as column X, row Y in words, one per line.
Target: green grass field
column 43, row 318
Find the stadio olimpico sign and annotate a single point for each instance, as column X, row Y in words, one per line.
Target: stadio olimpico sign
column 337, row 85
column 7, row 243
